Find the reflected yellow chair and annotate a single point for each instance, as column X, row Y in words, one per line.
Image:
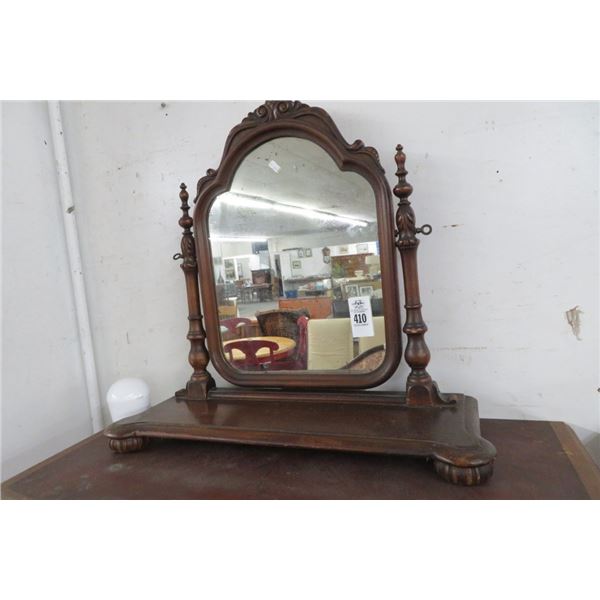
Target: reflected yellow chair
column 366, row 343
column 330, row 344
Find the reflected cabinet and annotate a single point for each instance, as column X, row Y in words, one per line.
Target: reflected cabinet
column 289, row 252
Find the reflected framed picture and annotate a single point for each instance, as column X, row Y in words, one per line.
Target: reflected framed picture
column 229, row 269
column 351, row 290
column 308, row 252
column 296, row 264
column 300, row 253
column 366, row 290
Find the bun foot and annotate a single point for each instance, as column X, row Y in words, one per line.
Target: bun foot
column 463, row 475
column 130, row 444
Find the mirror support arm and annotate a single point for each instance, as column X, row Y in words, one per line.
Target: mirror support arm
column 421, row 390
column 201, row 380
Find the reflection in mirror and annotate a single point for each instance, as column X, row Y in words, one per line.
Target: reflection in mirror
column 296, row 263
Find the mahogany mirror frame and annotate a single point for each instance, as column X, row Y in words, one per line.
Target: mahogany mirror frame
column 325, row 411
column 294, row 119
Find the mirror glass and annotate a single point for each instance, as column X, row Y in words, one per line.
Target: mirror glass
column 296, row 263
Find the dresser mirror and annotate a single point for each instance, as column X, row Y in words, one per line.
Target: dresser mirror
column 294, row 244
column 289, row 252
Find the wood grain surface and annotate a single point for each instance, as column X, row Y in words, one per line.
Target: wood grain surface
column 536, row 460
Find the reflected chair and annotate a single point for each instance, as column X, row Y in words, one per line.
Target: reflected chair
column 232, row 324
column 297, row 362
column 281, row 323
column 369, row 360
column 330, row 344
column 250, row 349
column 302, row 348
column 378, row 339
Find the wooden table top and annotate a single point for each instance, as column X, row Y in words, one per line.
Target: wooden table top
column 286, row 345
column 536, row 460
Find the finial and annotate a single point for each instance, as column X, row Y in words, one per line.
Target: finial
column 183, row 195
column 186, row 221
column 403, row 189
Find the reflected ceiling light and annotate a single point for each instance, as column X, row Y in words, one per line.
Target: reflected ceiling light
column 253, row 202
column 251, row 238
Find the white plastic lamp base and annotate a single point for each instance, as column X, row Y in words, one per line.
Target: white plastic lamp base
column 127, row 397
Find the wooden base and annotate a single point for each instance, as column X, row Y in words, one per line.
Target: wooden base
column 374, row 422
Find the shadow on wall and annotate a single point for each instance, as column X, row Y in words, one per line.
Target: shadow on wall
column 591, row 443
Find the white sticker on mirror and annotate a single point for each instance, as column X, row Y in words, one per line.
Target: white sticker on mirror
column 361, row 316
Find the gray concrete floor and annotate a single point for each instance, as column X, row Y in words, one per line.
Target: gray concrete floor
column 249, row 310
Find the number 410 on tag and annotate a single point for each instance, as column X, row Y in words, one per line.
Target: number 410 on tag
column 361, row 316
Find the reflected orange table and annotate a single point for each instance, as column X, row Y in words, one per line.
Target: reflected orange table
column 285, row 350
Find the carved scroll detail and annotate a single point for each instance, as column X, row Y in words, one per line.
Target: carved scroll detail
column 275, row 109
column 359, row 146
column 210, row 175
column 405, row 215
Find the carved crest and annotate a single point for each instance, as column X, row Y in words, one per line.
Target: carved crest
column 273, row 111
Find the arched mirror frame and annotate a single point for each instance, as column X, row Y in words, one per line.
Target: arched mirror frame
column 293, row 119
column 422, row 422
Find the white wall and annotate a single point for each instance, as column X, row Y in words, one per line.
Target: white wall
column 511, row 191
column 44, row 406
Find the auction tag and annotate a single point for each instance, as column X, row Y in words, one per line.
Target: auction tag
column 361, row 316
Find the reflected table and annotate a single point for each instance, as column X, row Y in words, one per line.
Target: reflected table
column 285, row 349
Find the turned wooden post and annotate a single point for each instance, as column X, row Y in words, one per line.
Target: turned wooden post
column 201, row 380
column 420, row 388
